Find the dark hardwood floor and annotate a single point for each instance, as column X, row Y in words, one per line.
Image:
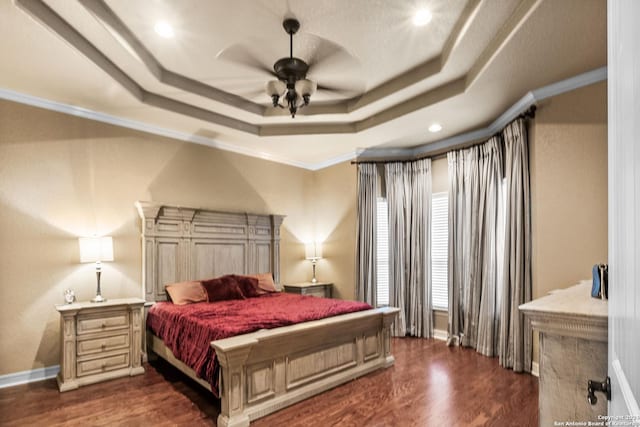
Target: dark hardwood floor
column 430, row 385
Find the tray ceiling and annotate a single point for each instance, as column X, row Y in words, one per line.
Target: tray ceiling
column 393, row 79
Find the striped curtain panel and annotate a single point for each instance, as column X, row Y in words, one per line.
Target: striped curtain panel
column 476, row 230
column 408, row 192
column 366, row 233
column 515, row 333
column 490, row 247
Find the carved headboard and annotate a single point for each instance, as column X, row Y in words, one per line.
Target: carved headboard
column 181, row 244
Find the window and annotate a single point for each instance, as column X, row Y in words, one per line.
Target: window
column 382, row 250
column 439, row 250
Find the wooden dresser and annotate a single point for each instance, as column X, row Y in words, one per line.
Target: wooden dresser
column 318, row 289
column 99, row 341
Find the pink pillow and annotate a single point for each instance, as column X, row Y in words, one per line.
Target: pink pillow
column 186, row 292
column 222, row 289
column 248, row 285
column 265, row 282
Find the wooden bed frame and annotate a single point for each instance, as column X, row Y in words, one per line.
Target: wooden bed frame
column 267, row 370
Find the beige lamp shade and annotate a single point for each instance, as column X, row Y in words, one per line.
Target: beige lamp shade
column 313, row 251
column 93, row 249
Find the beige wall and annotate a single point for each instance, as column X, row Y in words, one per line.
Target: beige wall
column 568, row 147
column 333, row 202
column 62, row 177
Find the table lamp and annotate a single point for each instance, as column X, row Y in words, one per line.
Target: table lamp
column 313, row 253
column 96, row 249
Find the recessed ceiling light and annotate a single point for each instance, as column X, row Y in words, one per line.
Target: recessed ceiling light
column 435, row 127
column 422, row 17
column 164, row 29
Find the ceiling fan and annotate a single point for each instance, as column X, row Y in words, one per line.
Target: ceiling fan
column 293, row 88
column 292, row 84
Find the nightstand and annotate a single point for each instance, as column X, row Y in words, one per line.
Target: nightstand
column 318, row 289
column 99, row 341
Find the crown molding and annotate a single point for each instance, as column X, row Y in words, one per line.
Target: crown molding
column 335, row 160
column 529, row 99
column 425, row 150
column 85, row 113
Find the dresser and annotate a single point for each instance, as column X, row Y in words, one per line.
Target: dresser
column 99, row 341
column 573, row 350
column 318, row 289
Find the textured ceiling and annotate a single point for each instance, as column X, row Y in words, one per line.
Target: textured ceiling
column 391, row 79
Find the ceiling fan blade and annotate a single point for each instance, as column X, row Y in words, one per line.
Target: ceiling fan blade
column 333, row 67
column 326, row 57
column 341, row 91
column 243, row 55
column 325, row 52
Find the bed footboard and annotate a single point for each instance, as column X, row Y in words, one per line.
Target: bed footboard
column 268, row 370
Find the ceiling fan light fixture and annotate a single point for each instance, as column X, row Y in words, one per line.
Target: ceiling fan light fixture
column 306, row 87
column 275, row 87
column 292, row 86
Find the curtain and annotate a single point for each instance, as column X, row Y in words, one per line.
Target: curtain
column 408, row 192
column 366, row 233
column 515, row 334
column 475, row 247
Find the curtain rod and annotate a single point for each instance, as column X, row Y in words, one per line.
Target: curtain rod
column 529, row 113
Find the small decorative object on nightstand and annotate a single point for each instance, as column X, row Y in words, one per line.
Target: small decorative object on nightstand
column 317, row 289
column 69, row 296
column 99, row 342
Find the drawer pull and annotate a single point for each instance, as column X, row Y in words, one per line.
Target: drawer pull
column 104, row 325
column 104, row 366
column 103, row 346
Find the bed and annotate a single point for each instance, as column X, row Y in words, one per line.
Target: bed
column 269, row 369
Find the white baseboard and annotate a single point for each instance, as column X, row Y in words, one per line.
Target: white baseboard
column 439, row 334
column 535, row 369
column 31, row 376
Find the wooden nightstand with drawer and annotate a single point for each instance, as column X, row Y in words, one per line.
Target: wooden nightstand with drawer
column 99, row 341
column 318, row 289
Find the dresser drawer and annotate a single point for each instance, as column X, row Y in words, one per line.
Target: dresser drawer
column 103, row 364
column 103, row 344
column 97, row 322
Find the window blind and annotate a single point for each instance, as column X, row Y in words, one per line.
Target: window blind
column 439, row 250
column 382, row 249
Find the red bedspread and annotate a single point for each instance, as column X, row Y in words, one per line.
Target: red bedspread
column 187, row 330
